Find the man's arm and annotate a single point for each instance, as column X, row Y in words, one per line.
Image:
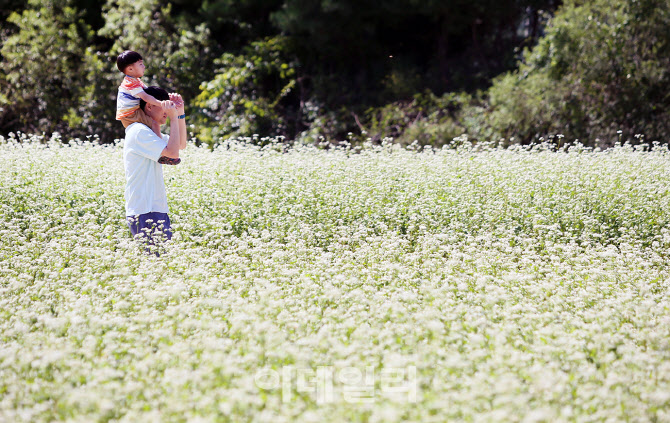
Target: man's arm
column 179, row 104
column 174, row 142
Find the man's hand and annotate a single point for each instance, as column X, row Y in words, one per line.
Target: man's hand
column 178, row 102
column 170, row 109
column 166, row 103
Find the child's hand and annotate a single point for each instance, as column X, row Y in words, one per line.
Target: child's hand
column 178, row 101
column 166, row 104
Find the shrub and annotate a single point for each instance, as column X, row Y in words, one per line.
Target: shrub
column 427, row 119
column 247, row 95
column 601, row 68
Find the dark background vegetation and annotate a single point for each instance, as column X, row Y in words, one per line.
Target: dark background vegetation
column 510, row 71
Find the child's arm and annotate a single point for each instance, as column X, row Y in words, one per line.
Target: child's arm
column 151, row 100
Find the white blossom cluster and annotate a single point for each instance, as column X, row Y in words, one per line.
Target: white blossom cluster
column 519, row 284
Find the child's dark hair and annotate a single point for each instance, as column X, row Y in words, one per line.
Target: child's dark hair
column 126, row 59
column 156, row 92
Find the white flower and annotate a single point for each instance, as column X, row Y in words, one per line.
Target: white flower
column 523, row 284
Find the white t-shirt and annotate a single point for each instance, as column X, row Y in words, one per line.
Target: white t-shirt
column 145, row 188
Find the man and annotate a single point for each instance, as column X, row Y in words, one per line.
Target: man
column 146, row 201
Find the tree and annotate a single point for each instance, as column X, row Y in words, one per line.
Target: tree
column 386, row 51
column 43, row 65
column 601, row 68
column 236, row 23
column 250, row 94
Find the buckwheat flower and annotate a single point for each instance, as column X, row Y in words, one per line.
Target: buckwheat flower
column 336, row 259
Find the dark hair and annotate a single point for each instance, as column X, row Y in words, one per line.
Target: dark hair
column 126, row 59
column 156, row 92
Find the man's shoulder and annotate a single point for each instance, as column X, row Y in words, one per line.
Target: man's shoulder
column 137, row 127
column 140, row 130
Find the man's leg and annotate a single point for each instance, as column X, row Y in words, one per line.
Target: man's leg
column 150, row 226
column 162, row 220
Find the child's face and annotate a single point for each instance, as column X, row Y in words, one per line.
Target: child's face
column 136, row 70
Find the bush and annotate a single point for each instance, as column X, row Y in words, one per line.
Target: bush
column 44, row 64
column 601, row 68
column 249, row 94
column 426, row 119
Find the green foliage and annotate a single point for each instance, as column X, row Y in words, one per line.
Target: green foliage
column 249, row 94
column 367, row 53
column 44, row 64
column 409, row 46
column 7, row 7
column 94, row 110
column 602, row 67
column 427, row 119
column 234, row 23
column 54, row 79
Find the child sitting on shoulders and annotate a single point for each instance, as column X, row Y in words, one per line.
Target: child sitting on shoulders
column 131, row 91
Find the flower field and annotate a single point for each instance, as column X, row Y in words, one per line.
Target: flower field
column 369, row 285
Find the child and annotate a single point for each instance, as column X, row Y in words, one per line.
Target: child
column 131, row 91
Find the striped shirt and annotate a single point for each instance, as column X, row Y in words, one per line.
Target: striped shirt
column 126, row 101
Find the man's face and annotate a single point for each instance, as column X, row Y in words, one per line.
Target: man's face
column 156, row 113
